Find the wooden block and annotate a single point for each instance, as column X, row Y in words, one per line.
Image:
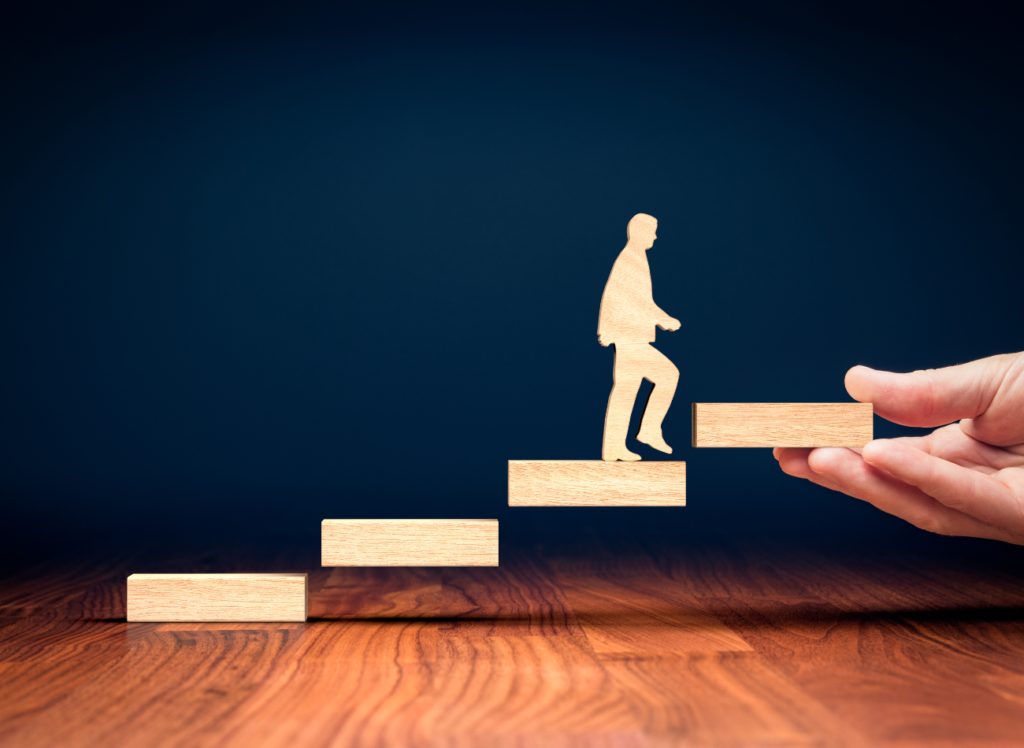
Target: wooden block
column 782, row 424
column 596, row 483
column 409, row 542
column 216, row 598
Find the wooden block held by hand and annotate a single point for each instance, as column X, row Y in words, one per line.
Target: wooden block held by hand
column 596, row 483
column 216, row 598
column 409, row 542
column 782, row 424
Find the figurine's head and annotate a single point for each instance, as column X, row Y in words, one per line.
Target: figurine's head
column 642, row 230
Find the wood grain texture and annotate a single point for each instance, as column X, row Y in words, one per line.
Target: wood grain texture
column 558, row 687
column 596, row 483
column 731, row 697
column 521, row 598
column 375, row 592
column 621, row 619
column 597, row 642
column 164, row 598
column 409, row 542
column 782, row 424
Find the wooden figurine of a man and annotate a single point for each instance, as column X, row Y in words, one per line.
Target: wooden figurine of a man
column 627, row 321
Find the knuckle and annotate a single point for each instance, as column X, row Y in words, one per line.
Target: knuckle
column 789, row 467
column 933, row 524
column 937, row 528
column 927, row 394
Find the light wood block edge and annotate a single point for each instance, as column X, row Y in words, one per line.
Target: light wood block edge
column 581, row 483
column 766, row 425
column 409, row 542
column 272, row 597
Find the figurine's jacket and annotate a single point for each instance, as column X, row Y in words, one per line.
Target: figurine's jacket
column 628, row 311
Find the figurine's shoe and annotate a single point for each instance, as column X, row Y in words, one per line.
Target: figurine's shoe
column 620, row 453
column 654, row 440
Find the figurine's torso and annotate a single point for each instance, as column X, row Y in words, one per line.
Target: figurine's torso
column 626, row 305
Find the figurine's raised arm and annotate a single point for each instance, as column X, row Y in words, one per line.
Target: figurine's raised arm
column 666, row 321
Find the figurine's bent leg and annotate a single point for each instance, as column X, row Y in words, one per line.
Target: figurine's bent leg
column 627, row 380
column 665, row 376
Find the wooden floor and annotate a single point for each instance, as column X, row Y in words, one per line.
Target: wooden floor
column 728, row 644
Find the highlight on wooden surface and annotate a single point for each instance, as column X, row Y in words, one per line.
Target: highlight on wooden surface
column 409, row 542
column 782, row 424
column 217, row 598
column 596, row 483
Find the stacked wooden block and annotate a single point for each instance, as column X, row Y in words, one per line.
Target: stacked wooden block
column 214, row 598
column 446, row 542
column 663, row 483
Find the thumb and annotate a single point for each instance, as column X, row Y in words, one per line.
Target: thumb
column 982, row 390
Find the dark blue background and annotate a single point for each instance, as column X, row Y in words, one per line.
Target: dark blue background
column 265, row 265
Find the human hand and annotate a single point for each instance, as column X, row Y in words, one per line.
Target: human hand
column 669, row 323
column 964, row 479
